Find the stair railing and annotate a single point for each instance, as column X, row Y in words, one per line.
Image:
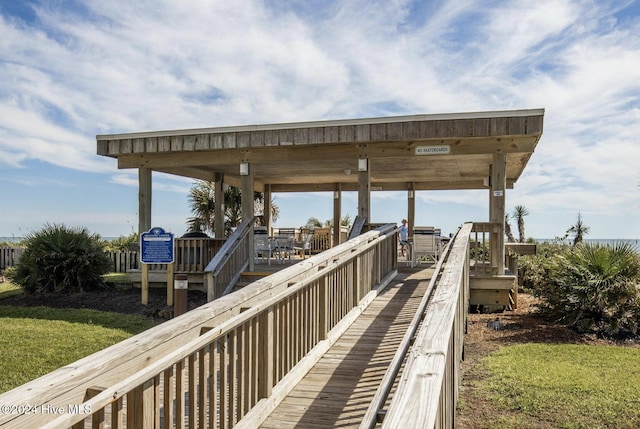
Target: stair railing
column 224, row 270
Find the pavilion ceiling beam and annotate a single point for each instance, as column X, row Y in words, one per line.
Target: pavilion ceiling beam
column 208, row 175
column 384, row 186
column 273, row 154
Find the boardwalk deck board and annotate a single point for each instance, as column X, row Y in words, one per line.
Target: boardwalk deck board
column 338, row 389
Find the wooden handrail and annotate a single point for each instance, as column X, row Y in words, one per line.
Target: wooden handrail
column 358, row 225
column 230, row 357
column 223, row 271
column 483, row 257
column 427, row 392
column 371, row 416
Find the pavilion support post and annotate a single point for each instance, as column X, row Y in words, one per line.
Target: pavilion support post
column 497, row 210
column 364, row 190
column 411, row 209
column 144, row 223
column 267, row 208
column 247, row 204
column 337, row 213
column 218, row 206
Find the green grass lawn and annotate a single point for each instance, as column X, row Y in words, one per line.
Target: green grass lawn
column 563, row 386
column 38, row 340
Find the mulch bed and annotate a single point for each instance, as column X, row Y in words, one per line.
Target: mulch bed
column 119, row 299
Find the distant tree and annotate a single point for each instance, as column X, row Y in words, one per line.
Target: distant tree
column 579, row 230
column 507, row 229
column 123, row 243
column 344, row 221
column 313, row 222
column 519, row 212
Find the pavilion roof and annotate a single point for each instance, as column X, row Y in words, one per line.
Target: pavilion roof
column 423, row 152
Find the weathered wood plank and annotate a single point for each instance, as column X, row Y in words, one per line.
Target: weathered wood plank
column 347, row 133
column 394, row 131
column 271, row 138
column 285, row 137
column 257, row 139
column 490, row 297
column 103, row 147
column 176, row 143
column 316, row 135
column 189, row 143
column 229, row 140
column 410, row 130
column 481, row 127
column 363, row 133
column 202, row 142
column 534, row 125
column 243, row 139
column 517, row 125
column 164, row 144
column 151, row 144
column 114, row 147
column 331, row 134
column 378, row 132
column 301, row 136
column 494, row 282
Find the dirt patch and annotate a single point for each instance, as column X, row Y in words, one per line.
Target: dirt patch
column 486, row 333
column 118, row 299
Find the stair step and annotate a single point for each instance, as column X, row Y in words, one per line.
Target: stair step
column 248, row 277
column 255, row 273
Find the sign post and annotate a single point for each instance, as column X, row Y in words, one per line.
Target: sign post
column 181, row 287
column 156, row 247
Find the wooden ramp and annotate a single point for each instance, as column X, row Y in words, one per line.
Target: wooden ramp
column 340, row 387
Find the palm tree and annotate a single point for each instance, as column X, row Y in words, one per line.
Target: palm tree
column 519, row 212
column 507, row 229
column 579, row 230
column 202, row 198
column 313, row 222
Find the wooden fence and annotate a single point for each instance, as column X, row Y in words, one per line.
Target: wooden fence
column 191, row 254
column 9, row 256
column 225, row 364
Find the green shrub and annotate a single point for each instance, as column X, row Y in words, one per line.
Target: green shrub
column 123, row 243
column 594, row 288
column 61, row 259
column 534, row 270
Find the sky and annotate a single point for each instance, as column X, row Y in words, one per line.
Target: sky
column 74, row 69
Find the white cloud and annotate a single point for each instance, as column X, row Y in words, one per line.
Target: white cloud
column 122, row 66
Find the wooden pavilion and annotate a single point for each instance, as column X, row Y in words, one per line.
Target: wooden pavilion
column 480, row 150
column 256, row 357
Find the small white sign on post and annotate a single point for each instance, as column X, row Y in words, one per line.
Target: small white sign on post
column 498, row 193
column 433, row 150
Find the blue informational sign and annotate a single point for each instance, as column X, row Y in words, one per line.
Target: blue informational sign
column 156, row 247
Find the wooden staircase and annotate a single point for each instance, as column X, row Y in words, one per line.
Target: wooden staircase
column 248, row 277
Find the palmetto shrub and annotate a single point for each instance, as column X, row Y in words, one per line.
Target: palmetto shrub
column 594, row 288
column 61, row 259
column 534, row 270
